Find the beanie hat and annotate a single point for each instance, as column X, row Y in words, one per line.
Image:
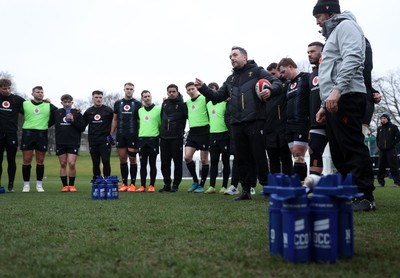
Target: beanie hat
column 385, row 115
column 326, row 7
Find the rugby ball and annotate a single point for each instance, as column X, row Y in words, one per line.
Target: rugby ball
column 311, row 180
column 261, row 85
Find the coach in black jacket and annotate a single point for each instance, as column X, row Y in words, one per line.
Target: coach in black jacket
column 247, row 115
column 387, row 137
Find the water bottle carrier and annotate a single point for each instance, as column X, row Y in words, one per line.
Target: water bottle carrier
column 105, row 188
column 317, row 228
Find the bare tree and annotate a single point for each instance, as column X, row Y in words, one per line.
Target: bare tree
column 81, row 104
column 110, row 98
column 304, row 66
column 7, row 75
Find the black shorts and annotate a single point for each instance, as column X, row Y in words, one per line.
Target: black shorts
column 8, row 140
column 34, row 140
column 221, row 146
column 63, row 149
column 297, row 138
column 126, row 141
column 275, row 140
column 199, row 142
column 148, row 146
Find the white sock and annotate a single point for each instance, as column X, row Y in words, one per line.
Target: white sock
column 39, row 183
column 26, row 183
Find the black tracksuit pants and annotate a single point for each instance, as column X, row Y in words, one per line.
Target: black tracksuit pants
column 346, row 142
column 100, row 151
column 388, row 158
column 250, row 153
column 171, row 149
column 9, row 142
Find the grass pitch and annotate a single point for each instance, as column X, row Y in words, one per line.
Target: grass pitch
column 54, row 234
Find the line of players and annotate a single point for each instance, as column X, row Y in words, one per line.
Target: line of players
column 142, row 127
column 134, row 126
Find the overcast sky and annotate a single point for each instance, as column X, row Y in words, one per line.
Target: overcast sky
column 77, row 46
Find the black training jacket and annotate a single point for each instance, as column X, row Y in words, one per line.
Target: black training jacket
column 244, row 104
column 298, row 106
column 173, row 118
column 387, row 137
column 68, row 133
column 275, row 108
column 99, row 120
column 10, row 106
column 315, row 99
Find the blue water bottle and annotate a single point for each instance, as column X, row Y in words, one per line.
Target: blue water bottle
column 102, row 190
column 324, row 219
column 275, row 239
column 115, row 191
column 95, row 190
column 109, row 189
column 112, row 183
column 275, row 225
column 67, row 111
column 115, row 187
column 296, row 229
column 345, row 229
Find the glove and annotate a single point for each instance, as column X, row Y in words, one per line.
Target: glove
column 111, row 139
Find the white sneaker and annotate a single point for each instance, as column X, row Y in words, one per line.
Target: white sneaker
column 39, row 188
column 252, row 191
column 26, row 188
column 231, row 190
